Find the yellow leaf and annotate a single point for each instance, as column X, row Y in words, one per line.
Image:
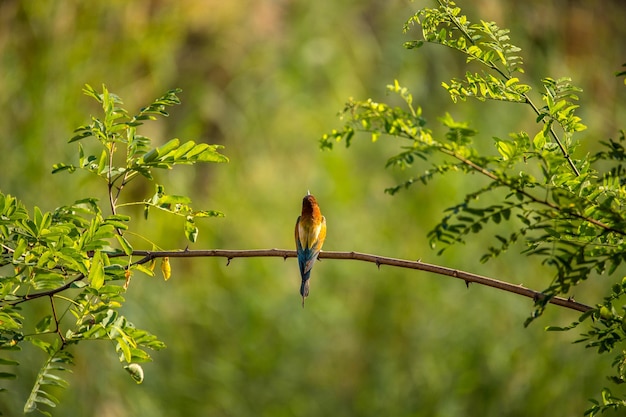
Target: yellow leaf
column 166, row 268
column 127, row 275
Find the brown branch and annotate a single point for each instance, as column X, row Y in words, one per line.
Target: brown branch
column 378, row 260
column 48, row 293
column 57, row 329
column 468, row 277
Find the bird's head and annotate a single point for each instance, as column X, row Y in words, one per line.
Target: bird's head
column 310, row 207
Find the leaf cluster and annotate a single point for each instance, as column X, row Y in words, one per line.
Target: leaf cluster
column 117, row 129
column 78, row 258
column 566, row 212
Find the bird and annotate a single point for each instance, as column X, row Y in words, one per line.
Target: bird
column 310, row 235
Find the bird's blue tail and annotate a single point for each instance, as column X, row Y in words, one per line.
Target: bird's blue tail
column 304, row 290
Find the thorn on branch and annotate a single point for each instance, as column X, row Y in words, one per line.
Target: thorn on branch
column 228, row 260
column 467, row 283
column 378, row 264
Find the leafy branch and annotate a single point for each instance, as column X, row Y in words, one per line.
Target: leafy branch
column 116, row 129
column 58, row 361
column 65, row 255
column 489, row 45
column 568, row 212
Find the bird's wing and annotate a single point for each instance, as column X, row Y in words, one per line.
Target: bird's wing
column 316, row 240
column 322, row 235
column 297, row 233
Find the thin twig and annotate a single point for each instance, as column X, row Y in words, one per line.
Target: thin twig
column 111, row 149
column 57, row 329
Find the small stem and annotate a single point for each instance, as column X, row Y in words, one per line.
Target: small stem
column 111, row 149
column 126, row 177
column 57, row 330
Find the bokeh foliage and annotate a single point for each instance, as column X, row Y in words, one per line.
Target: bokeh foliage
column 266, row 79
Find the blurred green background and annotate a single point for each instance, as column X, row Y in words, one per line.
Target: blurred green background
column 266, row 79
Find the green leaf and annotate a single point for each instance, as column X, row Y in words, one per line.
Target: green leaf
column 91, row 92
column 122, row 345
column 211, row 154
column 208, row 213
column 44, row 324
column 84, row 132
column 182, row 150
column 117, row 224
column 168, row 147
column 20, row 249
column 148, row 157
column 96, row 271
column 505, row 148
column 102, row 163
column 144, row 269
column 191, row 231
column 126, row 247
column 45, row 378
column 539, row 141
column 45, row 346
column 413, row 44
column 63, row 167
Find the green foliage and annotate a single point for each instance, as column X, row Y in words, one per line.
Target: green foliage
column 118, row 129
column 58, row 360
column 67, row 256
column 568, row 212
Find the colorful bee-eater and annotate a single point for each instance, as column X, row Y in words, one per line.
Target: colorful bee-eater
column 310, row 235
